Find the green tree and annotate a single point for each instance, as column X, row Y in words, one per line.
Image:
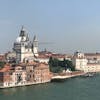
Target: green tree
column 50, row 61
column 70, row 65
column 2, row 64
column 57, row 65
column 54, row 65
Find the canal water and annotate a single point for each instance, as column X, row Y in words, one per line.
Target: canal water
column 71, row 89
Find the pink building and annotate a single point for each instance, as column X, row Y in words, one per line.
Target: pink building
column 24, row 74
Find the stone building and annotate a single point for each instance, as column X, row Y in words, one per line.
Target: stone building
column 24, row 74
column 25, row 48
column 92, row 56
column 81, row 62
column 42, row 73
column 5, row 75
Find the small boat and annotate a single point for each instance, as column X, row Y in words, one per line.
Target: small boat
column 88, row 75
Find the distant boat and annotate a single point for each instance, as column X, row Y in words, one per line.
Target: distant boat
column 88, row 75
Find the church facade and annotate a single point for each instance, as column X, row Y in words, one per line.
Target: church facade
column 25, row 49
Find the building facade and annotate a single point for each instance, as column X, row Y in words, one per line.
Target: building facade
column 24, row 74
column 25, row 48
column 81, row 62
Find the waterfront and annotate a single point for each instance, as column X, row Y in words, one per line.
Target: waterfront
column 71, row 89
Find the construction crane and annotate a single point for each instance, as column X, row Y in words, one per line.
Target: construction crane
column 45, row 43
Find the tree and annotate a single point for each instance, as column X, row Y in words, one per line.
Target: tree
column 50, row 61
column 58, row 66
column 54, row 65
column 2, row 64
column 70, row 65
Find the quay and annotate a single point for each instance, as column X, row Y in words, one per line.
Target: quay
column 66, row 75
column 25, row 84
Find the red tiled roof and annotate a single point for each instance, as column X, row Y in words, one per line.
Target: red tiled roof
column 6, row 68
column 92, row 54
column 44, row 56
column 41, row 66
column 93, row 64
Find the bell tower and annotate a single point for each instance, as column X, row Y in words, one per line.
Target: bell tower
column 35, row 46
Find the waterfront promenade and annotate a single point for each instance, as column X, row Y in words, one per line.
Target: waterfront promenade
column 66, row 75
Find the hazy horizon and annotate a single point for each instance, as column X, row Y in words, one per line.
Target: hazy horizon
column 66, row 25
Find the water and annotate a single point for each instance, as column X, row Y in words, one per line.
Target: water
column 72, row 89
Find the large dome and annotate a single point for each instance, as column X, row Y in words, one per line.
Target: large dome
column 23, row 37
column 18, row 39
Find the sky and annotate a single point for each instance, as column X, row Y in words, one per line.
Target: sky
column 62, row 26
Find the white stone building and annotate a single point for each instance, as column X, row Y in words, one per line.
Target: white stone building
column 82, row 63
column 79, row 61
column 25, row 48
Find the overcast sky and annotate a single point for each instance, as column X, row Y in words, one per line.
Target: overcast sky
column 66, row 25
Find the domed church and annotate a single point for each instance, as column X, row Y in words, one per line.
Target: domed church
column 24, row 48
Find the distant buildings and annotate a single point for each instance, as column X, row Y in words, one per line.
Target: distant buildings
column 86, row 62
column 93, row 57
column 45, row 55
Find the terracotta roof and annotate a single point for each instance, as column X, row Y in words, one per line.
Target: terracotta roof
column 6, row 68
column 93, row 64
column 41, row 66
column 45, row 56
column 92, row 54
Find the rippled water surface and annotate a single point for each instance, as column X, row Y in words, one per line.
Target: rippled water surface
column 71, row 89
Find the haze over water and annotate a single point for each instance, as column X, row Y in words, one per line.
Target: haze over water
column 72, row 89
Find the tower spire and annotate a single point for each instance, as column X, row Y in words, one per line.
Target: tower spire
column 23, row 31
column 35, row 38
column 27, row 37
column 35, row 46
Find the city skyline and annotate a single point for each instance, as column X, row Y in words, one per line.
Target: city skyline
column 68, row 25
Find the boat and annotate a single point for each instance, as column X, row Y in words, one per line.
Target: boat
column 88, row 74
